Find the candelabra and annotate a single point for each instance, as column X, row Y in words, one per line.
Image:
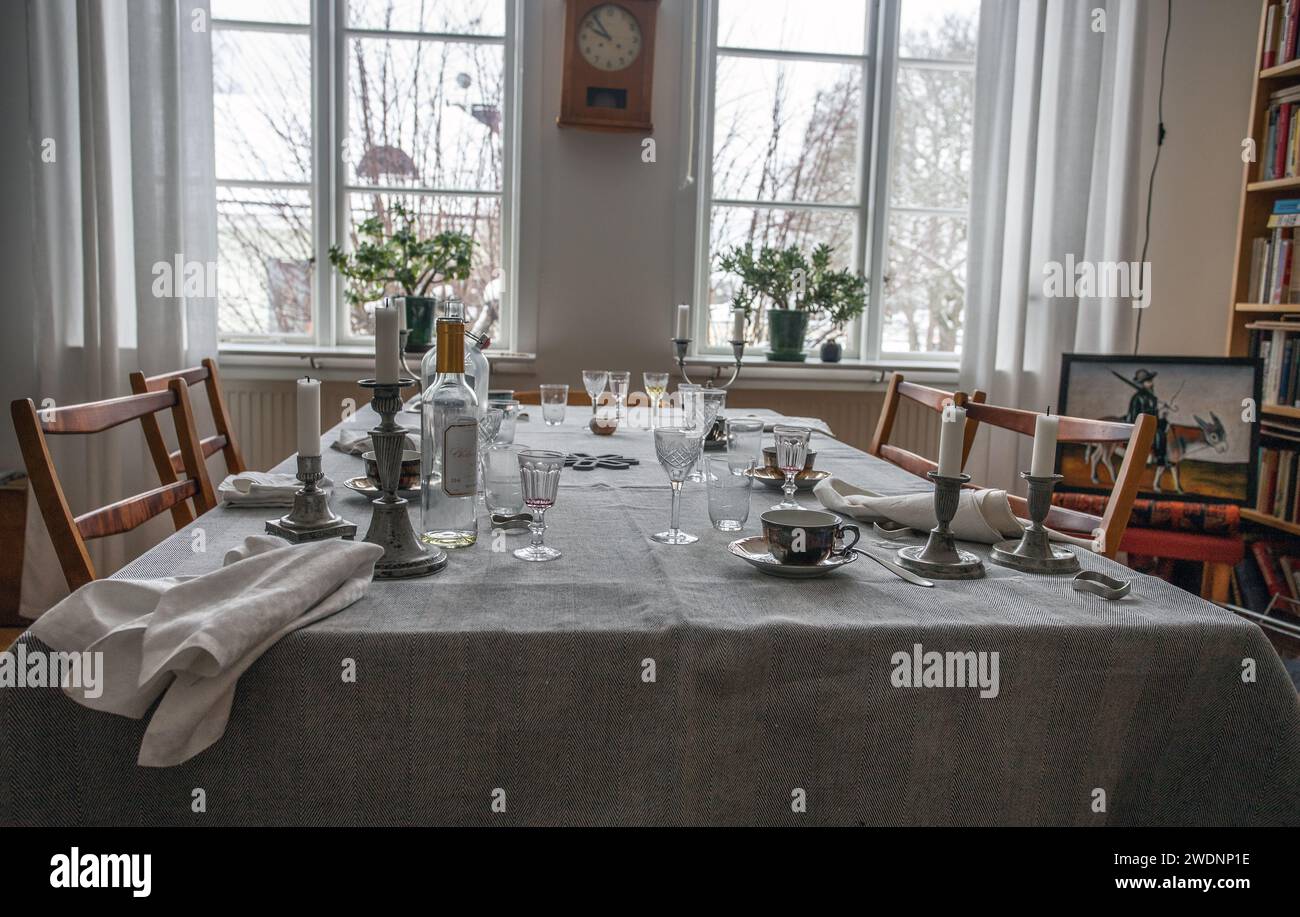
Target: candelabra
column 1034, row 552
column 717, row 433
column 390, row 526
column 311, row 518
column 940, row 557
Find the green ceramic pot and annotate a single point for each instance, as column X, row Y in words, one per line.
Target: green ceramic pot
column 420, row 314
column 785, row 334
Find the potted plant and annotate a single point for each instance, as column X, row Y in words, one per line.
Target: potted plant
column 403, row 264
column 789, row 287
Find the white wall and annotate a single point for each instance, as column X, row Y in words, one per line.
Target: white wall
column 1198, row 186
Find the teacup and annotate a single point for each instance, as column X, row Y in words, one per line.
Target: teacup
column 805, row 536
column 410, row 475
column 769, row 460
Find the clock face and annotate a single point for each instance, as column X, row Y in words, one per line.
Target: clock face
column 609, row 37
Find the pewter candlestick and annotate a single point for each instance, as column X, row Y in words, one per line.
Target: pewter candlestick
column 390, row 526
column 681, row 345
column 940, row 557
column 1034, row 552
column 311, row 518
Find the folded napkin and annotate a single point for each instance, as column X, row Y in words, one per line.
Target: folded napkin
column 356, row 441
column 815, row 423
column 189, row 639
column 260, row 488
column 983, row 516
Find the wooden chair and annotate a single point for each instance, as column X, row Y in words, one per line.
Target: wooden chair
column 170, row 464
column 1107, row 531
column 68, row 533
column 932, row 398
column 534, row 396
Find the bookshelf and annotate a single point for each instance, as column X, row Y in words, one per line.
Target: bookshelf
column 1260, row 193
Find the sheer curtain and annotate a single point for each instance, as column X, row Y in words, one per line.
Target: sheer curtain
column 1057, row 137
column 120, row 116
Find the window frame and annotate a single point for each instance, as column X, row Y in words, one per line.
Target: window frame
column 879, row 62
column 329, row 190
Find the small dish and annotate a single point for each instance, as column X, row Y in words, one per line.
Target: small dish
column 754, row 551
column 363, row 485
column 804, row 481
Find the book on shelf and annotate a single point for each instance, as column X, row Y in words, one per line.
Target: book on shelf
column 1277, row 344
column 1280, row 33
column 1278, row 494
column 1272, row 278
column 1281, row 149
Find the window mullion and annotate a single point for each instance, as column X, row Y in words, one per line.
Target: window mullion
column 322, row 173
column 887, row 14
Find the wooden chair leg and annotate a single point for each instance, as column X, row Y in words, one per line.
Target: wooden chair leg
column 1215, row 581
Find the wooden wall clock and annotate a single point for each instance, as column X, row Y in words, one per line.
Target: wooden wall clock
column 608, row 64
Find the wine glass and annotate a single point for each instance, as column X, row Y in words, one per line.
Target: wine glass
column 539, row 479
column 594, row 380
column 711, row 402
column 655, row 386
column 619, row 382
column 678, row 449
column 488, row 427
column 791, row 453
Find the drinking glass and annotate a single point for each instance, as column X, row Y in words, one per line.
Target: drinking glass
column 509, row 417
column 745, row 436
column 678, row 449
column 594, row 380
column 655, row 386
column 711, row 403
column 791, row 452
column 554, row 400
column 502, row 486
column 728, row 475
column 539, row 479
column 619, row 382
column 488, row 426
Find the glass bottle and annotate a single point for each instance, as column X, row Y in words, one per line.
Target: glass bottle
column 476, row 364
column 449, row 414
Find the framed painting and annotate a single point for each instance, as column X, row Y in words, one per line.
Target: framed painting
column 1207, row 433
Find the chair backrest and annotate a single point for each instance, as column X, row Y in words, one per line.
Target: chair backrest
column 534, row 396
column 68, row 533
column 169, row 464
column 1106, row 530
column 933, row 399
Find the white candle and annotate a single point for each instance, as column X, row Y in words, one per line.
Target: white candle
column 737, row 324
column 386, row 361
column 1046, row 428
column 683, row 322
column 952, row 434
column 309, row 417
column 401, row 313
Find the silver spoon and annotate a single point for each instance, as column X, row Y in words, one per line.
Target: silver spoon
column 894, row 568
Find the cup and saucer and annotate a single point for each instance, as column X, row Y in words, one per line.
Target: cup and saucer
column 799, row 544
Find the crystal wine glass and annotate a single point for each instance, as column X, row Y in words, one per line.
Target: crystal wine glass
column 655, row 386
column 678, row 449
column 619, row 382
column 488, row 427
column 539, row 478
column 594, row 380
column 791, row 453
column 711, row 403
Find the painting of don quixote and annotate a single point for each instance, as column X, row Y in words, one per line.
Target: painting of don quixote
column 1206, row 429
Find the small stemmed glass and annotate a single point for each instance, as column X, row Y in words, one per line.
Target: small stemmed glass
column 655, row 386
column 791, row 453
column 620, row 380
column 594, row 381
column 678, row 449
column 539, row 478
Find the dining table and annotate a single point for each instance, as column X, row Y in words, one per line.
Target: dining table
column 635, row 683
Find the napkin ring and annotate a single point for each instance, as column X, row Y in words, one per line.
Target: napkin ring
column 1100, row 584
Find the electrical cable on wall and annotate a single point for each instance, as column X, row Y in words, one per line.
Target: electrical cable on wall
column 1160, row 142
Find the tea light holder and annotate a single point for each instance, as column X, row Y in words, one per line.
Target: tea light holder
column 940, row 557
column 1034, row 552
column 311, row 518
column 390, row 526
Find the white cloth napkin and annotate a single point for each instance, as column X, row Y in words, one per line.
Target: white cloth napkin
column 190, row 638
column 356, row 441
column 983, row 516
column 260, row 488
column 815, row 423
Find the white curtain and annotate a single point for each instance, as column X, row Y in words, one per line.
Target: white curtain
column 1057, row 137
column 121, row 117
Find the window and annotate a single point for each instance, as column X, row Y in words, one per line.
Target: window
column 329, row 112
column 845, row 122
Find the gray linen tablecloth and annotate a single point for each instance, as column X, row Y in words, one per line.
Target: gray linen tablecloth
column 503, row 682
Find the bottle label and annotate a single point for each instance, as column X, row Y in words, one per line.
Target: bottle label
column 460, row 457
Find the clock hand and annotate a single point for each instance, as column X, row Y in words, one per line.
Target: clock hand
column 599, row 27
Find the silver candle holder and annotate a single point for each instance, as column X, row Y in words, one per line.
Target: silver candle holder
column 940, row 557
column 311, row 518
column 1034, row 552
column 390, row 526
column 717, row 433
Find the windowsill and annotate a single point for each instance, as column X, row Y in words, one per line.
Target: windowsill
column 344, row 363
column 759, row 372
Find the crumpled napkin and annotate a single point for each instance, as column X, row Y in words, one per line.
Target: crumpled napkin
column 983, row 516
column 260, row 488
column 189, row 639
column 356, row 441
